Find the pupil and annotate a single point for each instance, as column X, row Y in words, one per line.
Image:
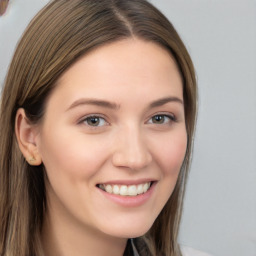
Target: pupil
column 158, row 119
column 93, row 121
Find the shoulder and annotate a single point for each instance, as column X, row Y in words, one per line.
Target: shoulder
column 188, row 251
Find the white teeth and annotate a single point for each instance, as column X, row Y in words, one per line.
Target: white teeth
column 108, row 188
column 123, row 190
column 145, row 187
column 132, row 190
column 101, row 186
column 140, row 189
column 115, row 189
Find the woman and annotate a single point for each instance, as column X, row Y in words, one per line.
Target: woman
column 97, row 120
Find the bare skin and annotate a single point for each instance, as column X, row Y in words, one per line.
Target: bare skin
column 115, row 119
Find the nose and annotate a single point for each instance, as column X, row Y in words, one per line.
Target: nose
column 131, row 150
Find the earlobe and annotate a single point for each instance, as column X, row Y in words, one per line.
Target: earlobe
column 26, row 136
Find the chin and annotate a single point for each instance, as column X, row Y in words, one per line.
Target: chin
column 128, row 230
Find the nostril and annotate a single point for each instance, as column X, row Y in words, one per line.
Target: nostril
column 131, row 151
column 134, row 160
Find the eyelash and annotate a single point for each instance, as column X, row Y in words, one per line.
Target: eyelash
column 87, row 118
column 100, row 119
column 171, row 118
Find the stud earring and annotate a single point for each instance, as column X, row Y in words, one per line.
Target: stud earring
column 31, row 160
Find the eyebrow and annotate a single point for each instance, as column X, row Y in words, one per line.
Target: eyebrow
column 164, row 101
column 112, row 105
column 94, row 102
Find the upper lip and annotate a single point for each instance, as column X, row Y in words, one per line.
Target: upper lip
column 128, row 182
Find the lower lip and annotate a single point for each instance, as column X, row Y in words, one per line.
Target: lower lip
column 130, row 201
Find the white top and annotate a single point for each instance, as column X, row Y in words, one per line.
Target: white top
column 188, row 251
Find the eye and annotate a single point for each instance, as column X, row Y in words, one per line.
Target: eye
column 162, row 119
column 94, row 121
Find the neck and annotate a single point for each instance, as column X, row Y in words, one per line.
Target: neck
column 62, row 237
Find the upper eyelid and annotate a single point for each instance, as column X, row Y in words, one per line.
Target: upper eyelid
column 171, row 117
column 91, row 115
column 167, row 114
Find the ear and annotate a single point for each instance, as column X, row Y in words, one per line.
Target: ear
column 26, row 133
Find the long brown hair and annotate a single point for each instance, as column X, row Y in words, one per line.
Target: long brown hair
column 58, row 36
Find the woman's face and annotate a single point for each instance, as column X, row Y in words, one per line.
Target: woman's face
column 113, row 138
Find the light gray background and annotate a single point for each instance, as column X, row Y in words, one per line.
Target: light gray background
column 220, row 205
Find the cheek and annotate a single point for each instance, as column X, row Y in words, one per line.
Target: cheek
column 74, row 157
column 170, row 154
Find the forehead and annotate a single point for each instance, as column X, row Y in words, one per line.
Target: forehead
column 127, row 67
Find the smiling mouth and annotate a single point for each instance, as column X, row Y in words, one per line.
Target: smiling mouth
column 124, row 190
